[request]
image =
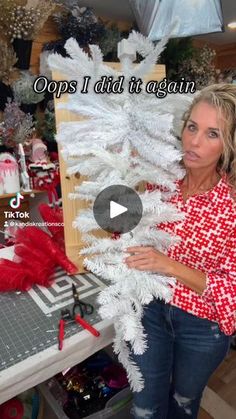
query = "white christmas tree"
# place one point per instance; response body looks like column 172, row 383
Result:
column 126, row 139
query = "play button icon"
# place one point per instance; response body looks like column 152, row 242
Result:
column 118, row 208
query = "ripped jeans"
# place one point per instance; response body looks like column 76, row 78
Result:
column 183, row 351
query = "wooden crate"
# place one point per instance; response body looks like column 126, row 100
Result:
column 204, row 415
column 73, row 240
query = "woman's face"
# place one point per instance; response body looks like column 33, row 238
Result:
column 202, row 137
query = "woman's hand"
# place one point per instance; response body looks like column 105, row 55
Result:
column 150, row 259
column 147, row 259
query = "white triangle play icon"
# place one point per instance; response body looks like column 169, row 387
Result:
column 116, row 209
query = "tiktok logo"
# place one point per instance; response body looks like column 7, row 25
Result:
column 15, row 201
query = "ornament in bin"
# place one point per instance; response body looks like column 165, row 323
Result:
column 9, row 173
column 82, row 396
column 91, row 384
column 115, row 376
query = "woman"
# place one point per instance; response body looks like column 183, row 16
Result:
column 189, row 337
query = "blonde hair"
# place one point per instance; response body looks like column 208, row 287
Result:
column 223, row 98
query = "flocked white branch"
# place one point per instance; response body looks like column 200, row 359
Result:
column 126, row 138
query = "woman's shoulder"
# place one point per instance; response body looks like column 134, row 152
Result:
column 228, row 190
column 222, row 196
column 223, row 204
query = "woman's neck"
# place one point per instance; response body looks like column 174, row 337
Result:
column 196, row 179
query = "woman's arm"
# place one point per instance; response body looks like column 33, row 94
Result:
column 193, row 278
column 150, row 259
column 217, row 286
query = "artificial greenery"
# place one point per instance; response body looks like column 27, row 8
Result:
column 200, row 68
column 183, row 59
column 68, row 4
column 56, row 47
column 7, row 62
column 23, row 89
column 16, row 127
column 17, row 20
column 46, row 126
column 109, row 40
column 79, row 23
column 176, row 51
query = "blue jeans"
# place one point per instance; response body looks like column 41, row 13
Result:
column 183, row 351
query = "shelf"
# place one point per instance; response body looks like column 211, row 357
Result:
column 10, row 195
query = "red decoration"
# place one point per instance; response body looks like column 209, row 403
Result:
column 45, row 179
column 36, row 256
column 42, row 241
column 14, row 276
column 48, row 182
column 115, row 235
column 54, row 219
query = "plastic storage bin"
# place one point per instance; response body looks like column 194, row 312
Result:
column 118, row 407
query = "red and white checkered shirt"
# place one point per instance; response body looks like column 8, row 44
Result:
column 207, row 243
